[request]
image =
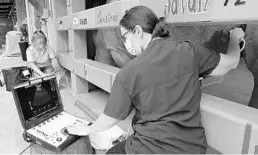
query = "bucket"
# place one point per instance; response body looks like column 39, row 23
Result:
column 23, row 47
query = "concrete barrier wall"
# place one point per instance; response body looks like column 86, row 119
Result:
column 231, row 128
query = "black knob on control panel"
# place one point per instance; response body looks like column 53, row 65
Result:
column 59, row 139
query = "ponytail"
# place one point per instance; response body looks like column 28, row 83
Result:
column 147, row 19
column 161, row 29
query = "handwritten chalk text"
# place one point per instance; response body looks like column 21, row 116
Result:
column 177, row 7
column 107, row 18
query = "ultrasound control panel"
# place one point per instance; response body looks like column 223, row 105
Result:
column 52, row 131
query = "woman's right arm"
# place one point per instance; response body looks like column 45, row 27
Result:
column 36, row 69
column 31, row 60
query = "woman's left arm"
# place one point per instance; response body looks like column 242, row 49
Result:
column 211, row 63
column 53, row 57
column 230, row 60
column 55, row 64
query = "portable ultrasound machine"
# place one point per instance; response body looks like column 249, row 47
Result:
column 42, row 114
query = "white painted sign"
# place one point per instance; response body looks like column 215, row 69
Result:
column 183, row 11
column 234, row 10
column 84, row 19
column 188, row 10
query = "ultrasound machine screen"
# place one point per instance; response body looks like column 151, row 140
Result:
column 38, row 99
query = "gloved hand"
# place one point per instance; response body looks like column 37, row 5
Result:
column 237, row 34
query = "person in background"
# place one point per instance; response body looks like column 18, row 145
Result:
column 24, row 31
column 162, row 85
column 41, row 57
column 110, row 48
column 24, row 37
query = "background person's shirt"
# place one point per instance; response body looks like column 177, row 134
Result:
column 162, row 85
column 41, row 59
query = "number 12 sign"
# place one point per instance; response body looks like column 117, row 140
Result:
column 234, row 10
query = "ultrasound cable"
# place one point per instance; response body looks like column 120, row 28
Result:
column 27, row 148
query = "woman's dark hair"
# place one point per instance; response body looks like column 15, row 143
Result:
column 147, row 19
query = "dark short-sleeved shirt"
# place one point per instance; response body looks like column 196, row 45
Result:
column 162, row 85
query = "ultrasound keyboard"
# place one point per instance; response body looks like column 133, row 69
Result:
column 52, row 132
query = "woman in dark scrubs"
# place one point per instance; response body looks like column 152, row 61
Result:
column 162, row 85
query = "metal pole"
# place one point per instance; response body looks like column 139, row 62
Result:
column 28, row 20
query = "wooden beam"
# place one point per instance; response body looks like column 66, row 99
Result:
column 99, row 74
column 6, row 4
column 176, row 11
column 4, row 10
